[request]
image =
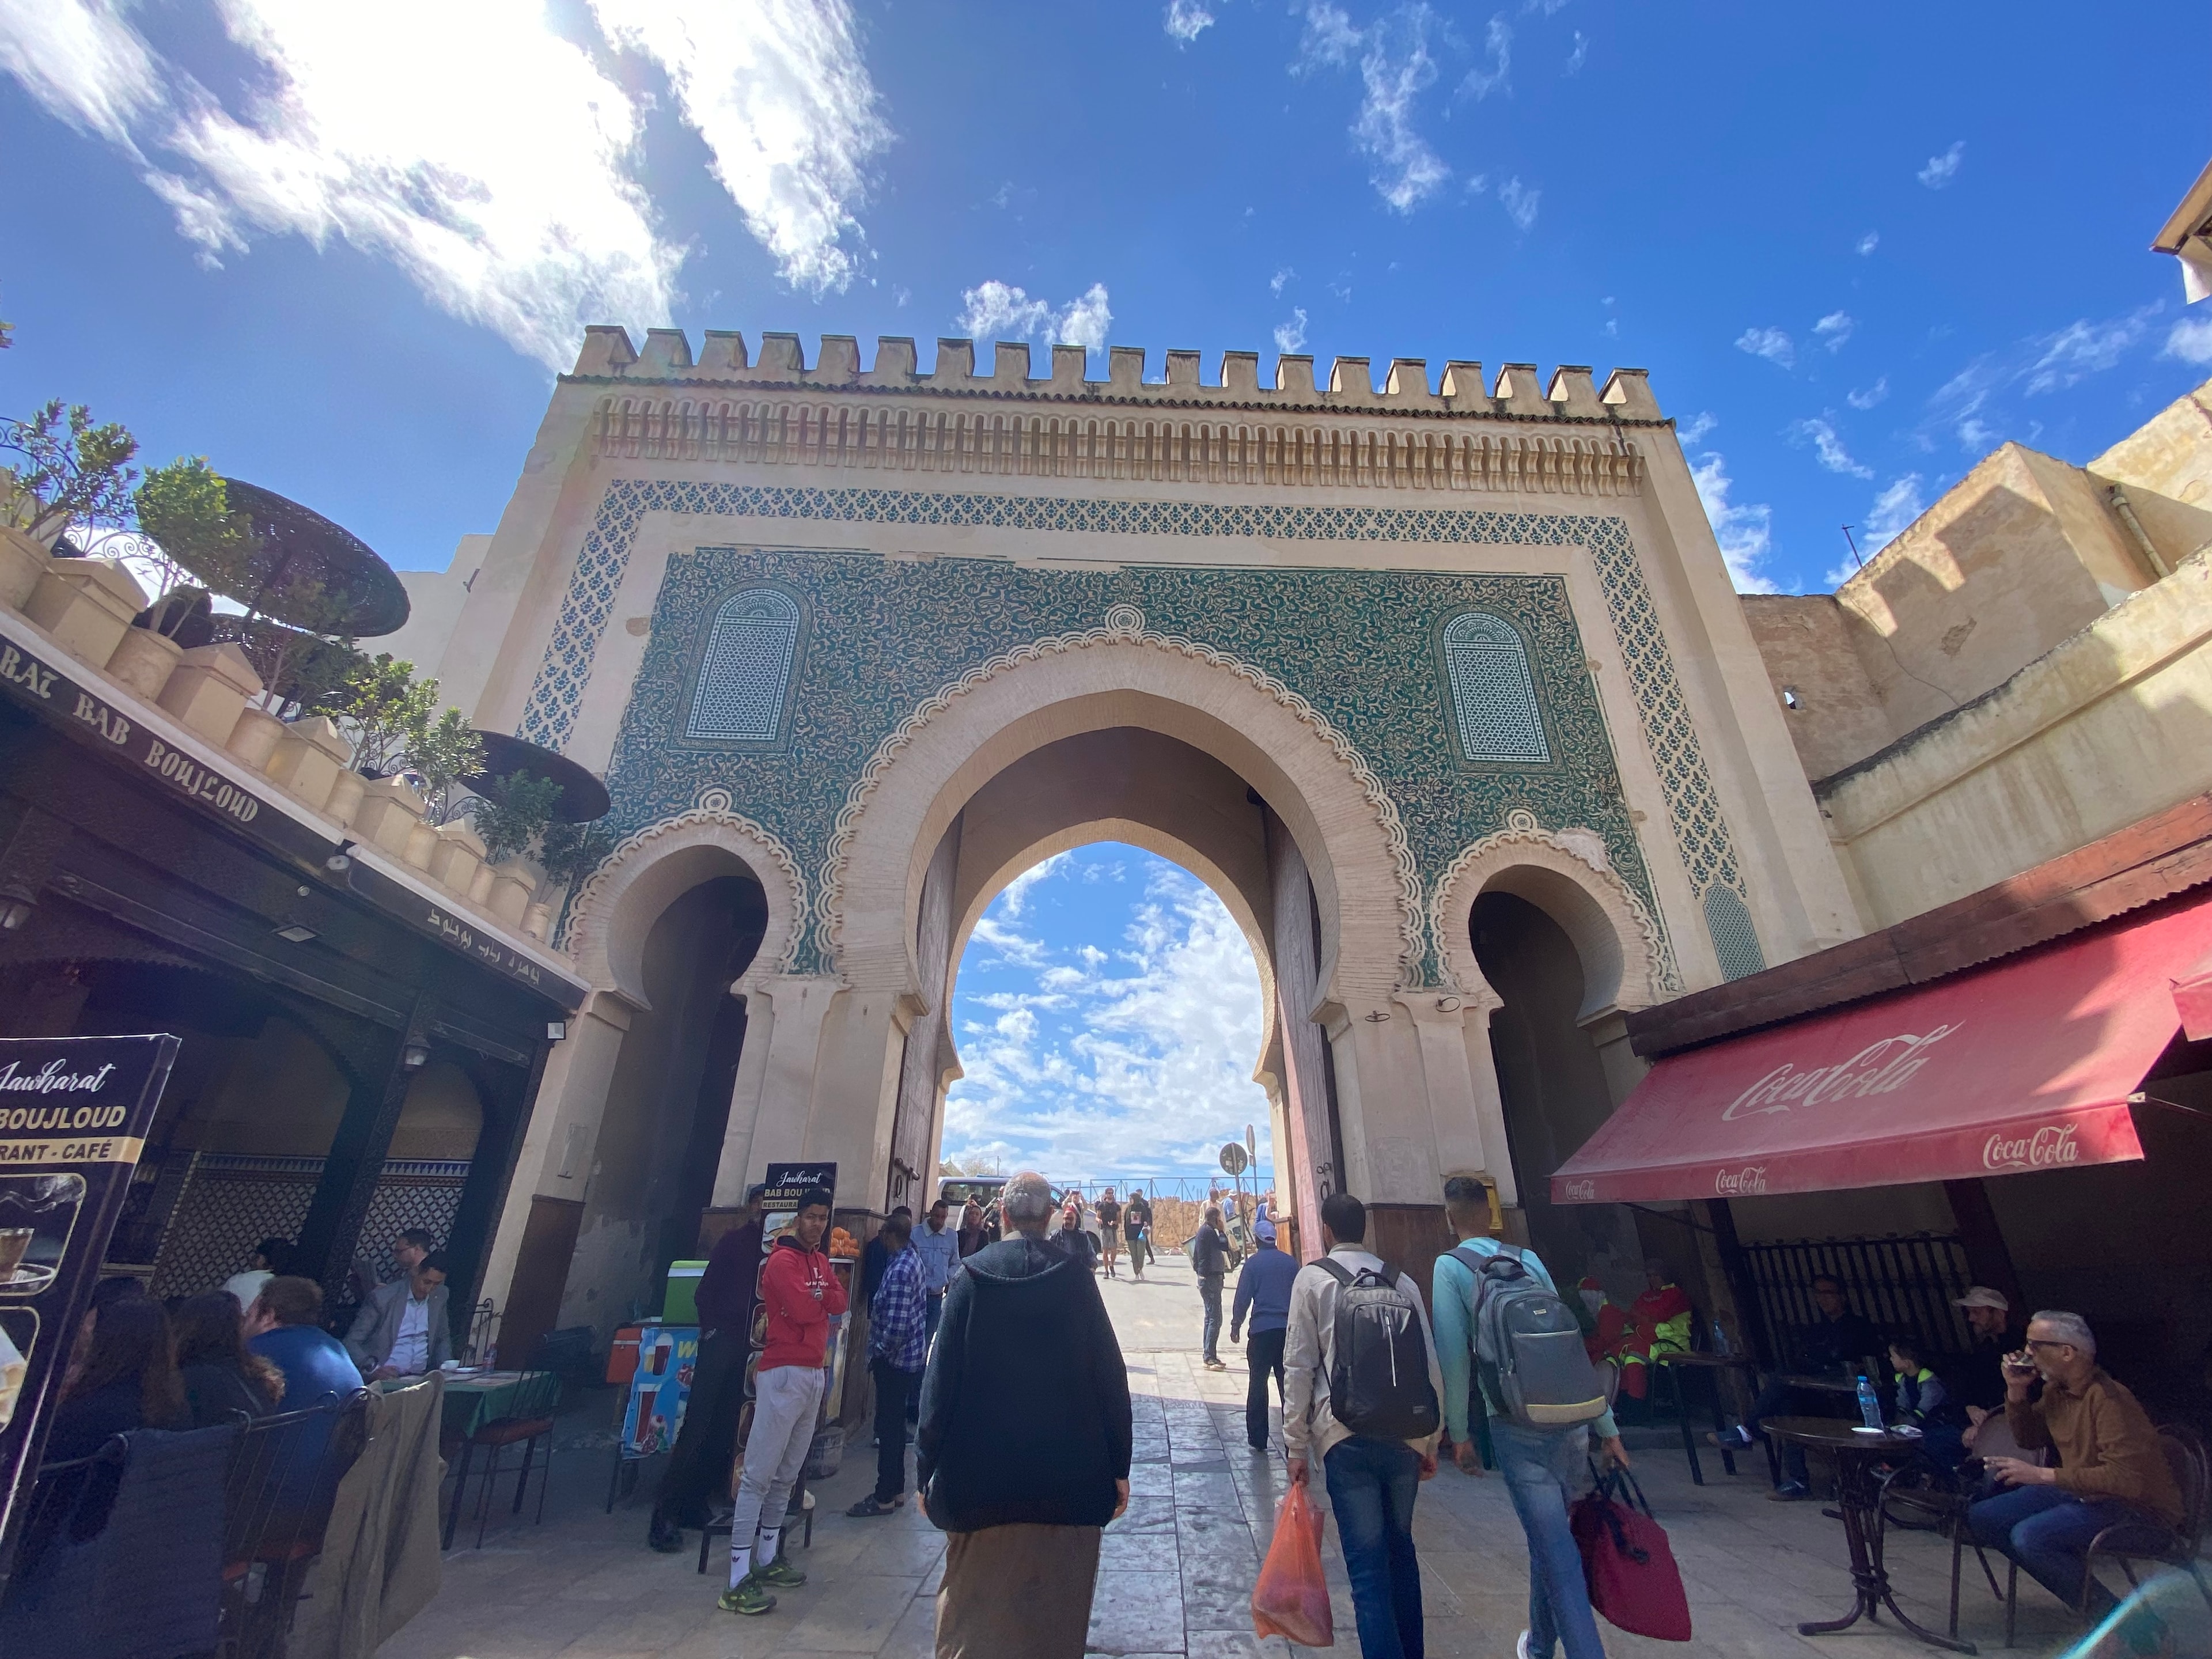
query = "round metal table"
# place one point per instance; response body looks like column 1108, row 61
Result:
column 1857, row 1454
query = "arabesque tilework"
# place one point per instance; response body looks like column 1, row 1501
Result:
column 1357, row 644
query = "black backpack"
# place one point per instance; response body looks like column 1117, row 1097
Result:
column 1378, row 1372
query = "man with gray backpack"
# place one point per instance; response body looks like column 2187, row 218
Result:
column 1503, row 1332
column 1361, row 1394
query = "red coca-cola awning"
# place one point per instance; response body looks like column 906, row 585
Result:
column 2027, row 1064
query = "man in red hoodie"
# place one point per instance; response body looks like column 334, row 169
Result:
column 801, row 1291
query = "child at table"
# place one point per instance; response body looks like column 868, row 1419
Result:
column 1923, row 1403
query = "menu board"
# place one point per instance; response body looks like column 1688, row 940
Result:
column 74, row 1117
column 785, row 1184
column 660, row 1389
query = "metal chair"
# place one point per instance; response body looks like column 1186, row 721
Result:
column 281, row 1485
column 530, row 1420
column 2148, row 1541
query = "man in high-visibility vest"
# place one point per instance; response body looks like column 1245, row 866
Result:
column 1658, row 1323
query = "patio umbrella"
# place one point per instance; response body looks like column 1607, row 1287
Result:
column 583, row 797
column 304, row 570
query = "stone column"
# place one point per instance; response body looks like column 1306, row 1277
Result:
column 773, row 1117
column 563, row 1132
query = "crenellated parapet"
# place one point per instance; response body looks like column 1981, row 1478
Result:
column 1518, row 433
column 1518, row 393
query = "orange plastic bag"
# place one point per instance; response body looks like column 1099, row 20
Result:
column 1291, row 1598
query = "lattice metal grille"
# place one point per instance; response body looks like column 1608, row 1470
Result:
column 231, row 1201
column 1907, row 1282
column 1493, row 694
column 1735, row 942
column 746, row 673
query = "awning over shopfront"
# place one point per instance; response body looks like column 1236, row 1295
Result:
column 2027, row 1064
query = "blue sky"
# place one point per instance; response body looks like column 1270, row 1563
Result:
column 1107, row 1014
column 337, row 248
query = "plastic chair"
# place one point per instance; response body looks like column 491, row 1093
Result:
column 529, row 1421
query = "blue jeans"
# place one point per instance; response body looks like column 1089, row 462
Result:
column 2048, row 1531
column 1371, row 1487
column 1541, row 1467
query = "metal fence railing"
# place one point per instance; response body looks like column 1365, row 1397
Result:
column 1903, row 1282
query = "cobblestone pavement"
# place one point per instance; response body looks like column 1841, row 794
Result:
column 1176, row 1572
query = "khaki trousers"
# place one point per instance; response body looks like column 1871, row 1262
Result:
column 1018, row 1592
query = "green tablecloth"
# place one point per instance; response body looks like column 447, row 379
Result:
column 485, row 1397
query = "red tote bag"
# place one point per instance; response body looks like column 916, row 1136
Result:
column 1630, row 1569
column 1291, row 1598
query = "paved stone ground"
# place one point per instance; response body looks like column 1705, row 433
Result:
column 1177, row 1570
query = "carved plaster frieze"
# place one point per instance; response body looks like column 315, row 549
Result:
column 1124, row 625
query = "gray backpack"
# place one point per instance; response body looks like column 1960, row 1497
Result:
column 1528, row 1353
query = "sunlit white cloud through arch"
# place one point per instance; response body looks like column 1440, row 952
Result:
column 1108, row 1013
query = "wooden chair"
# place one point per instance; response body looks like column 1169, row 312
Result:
column 529, row 1421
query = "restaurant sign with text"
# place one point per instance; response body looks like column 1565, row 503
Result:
column 74, row 1117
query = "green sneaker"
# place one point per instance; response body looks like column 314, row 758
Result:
column 750, row 1597
column 779, row 1573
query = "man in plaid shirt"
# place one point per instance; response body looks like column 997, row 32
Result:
column 899, row 1348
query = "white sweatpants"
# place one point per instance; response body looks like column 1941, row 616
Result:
column 785, row 1401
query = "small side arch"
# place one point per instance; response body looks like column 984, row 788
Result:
column 1563, row 873
column 616, row 908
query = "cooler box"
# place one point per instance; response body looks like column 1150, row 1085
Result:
column 622, row 1354
column 680, row 1305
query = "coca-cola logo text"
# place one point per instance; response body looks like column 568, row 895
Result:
column 2050, row 1147
column 1740, row 1183
column 1578, row 1191
column 1879, row 1068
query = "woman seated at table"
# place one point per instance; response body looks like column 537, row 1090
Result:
column 221, row 1375
column 122, row 1376
column 1923, row 1403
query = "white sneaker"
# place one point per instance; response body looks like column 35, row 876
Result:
column 1521, row 1647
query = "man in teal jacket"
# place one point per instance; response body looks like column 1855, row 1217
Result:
column 1543, row 1467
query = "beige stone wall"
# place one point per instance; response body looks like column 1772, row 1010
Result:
column 2114, row 725
column 1812, row 660
column 2164, row 470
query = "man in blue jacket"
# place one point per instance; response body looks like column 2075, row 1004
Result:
column 1263, row 1294
column 1542, row 1465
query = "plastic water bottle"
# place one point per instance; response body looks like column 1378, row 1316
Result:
column 1720, row 1339
column 1869, row 1405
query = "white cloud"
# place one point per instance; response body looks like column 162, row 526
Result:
column 1015, row 895
column 1941, row 169
column 777, row 91
column 1086, row 322
column 1821, row 434
column 2191, row 339
column 1329, row 37
column 1011, row 944
column 1275, row 282
column 1745, row 532
column 1580, row 55
column 1395, row 70
column 1130, row 1063
column 1867, row 243
column 1835, row 328
column 1292, row 336
column 1187, row 20
column 1898, row 506
column 1519, row 202
column 1868, row 398
column 2083, row 347
column 1547, row 7
column 1699, row 424
column 993, row 310
column 493, row 161
column 1770, row 343
column 1492, row 74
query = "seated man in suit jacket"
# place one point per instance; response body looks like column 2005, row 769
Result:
column 402, row 1329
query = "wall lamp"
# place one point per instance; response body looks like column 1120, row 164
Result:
column 415, row 1056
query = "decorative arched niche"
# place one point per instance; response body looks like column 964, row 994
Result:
column 615, row 910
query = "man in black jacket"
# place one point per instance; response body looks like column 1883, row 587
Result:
column 1023, row 1453
column 1209, row 1260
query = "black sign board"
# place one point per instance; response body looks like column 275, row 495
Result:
column 74, row 1115
column 785, row 1181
